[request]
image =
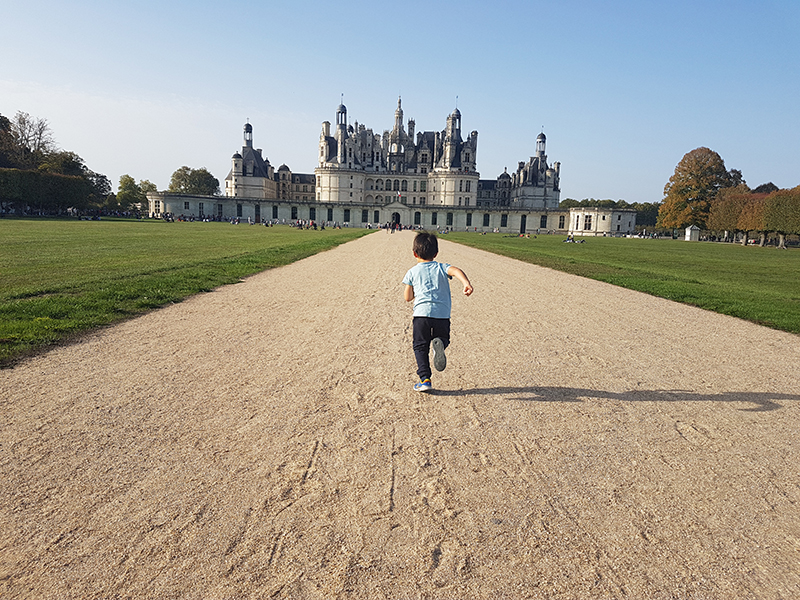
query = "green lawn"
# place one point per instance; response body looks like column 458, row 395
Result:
column 62, row 277
column 757, row 284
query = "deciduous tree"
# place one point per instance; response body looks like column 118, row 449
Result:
column 782, row 213
column 690, row 190
column 193, row 181
column 752, row 217
column 129, row 192
column 726, row 208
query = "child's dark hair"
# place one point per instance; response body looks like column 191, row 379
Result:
column 426, row 245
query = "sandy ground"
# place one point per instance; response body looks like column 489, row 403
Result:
column 263, row 441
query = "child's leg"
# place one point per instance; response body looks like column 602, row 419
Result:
column 422, row 346
column 441, row 330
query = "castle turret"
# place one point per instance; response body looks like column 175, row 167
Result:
column 248, row 135
column 540, row 142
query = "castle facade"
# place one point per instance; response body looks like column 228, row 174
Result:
column 424, row 179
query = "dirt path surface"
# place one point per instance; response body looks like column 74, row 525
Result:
column 263, row 441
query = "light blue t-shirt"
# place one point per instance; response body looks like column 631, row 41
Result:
column 431, row 289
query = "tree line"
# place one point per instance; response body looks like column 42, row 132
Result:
column 704, row 193
column 36, row 177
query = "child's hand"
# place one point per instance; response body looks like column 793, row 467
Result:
column 467, row 289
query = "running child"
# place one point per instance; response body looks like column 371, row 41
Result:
column 428, row 285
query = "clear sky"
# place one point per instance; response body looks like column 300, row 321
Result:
column 623, row 89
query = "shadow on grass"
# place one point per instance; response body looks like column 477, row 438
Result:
column 762, row 401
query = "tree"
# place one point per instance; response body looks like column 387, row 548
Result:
column 99, row 186
column 698, row 177
column 32, row 141
column 766, row 188
column 193, row 181
column 129, row 192
column 64, row 163
column 726, row 208
column 646, row 213
column 568, row 203
column 7, row 143
column 782, row 213
column 752, row 217
column 147, row 186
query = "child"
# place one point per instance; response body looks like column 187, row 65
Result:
column 427, row 284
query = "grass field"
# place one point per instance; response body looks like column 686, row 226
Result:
column 59, row 278
column 757, row 284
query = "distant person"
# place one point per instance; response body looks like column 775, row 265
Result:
column 427, row 284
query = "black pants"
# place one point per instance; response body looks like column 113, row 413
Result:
column 425, row 330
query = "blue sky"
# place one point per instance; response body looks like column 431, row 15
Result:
column 623, row 89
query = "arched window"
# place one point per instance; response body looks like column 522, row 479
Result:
column 379, row 185
column 396, row 185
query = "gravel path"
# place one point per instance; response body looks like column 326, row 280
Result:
column 263, row 440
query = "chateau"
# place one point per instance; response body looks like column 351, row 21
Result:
column 425, row 179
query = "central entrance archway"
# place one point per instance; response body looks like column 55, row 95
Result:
column 395, row 219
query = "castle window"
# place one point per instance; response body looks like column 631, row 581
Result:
column 587, row 222
column 460, row 185
column 486, row 220
column 238, row 210
column 469, row 219
column 422, row 199
column 503, row 220
column 347, row 215
column 200, row 209
column 469, row 185
column 561, row 221
column 274, row 212
column 466, row 202
column 219, row 210
column 396, row 185
column 185, row 206
column 404, row 186
column 330, row 214
column 423, row 186
column 377, row 216
column 364, row 215
column 415, row 186
column 294, row 213
column 417, row 218
column 449, row 219
column 543, row 222
column 434, row 218
column 312, row 213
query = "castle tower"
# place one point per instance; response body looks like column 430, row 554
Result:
column 341, row 133
column 248, row 135
column 540, row 142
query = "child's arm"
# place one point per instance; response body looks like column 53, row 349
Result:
column 408, row 293
column 462, row 277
